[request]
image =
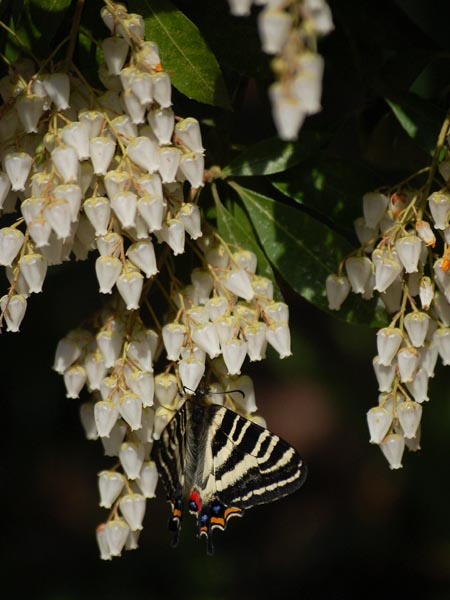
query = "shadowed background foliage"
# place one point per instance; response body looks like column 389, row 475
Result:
column 356, row 528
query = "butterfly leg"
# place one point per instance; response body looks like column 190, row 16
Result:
column 175, row 520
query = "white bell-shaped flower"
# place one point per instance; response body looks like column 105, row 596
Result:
column 130, row 409
column 5, row 187
column 107, row 269
column 203, row 283
column 426, row 292
column 141, row 85
column 206, row 338
column 239, row 282
column 384, row 374
column 246, row 260
column 132, row 507
column 93, row 120
column 366, row 235
column 174, row 234
column 98, row 211
column 144, row 153
column 88, row 421
column 30, row 108
column 358, row 270
column 71, row 193
column 169, row 161
column 59, row 216
column 191, row 373
column 428, row 358
column 279, row 337
column 189, row 134
column 140, row 353
column 374, row 207
column 95, row 370
column 115, row 51
column 76, row 135
column 189, row 215
column 142, row 384
column 110, row 484
column 442, row 340
column 116, row 181
column 124, row 205
column 131, row 456
column 392, row 447
column 242, row 391
column 439, row 205
column 337, row 289
column 256, row 336
column 416, row 324
column 273, row 27
column 101, row 150
column 408, row 362
column 109, row 244
column 152, row 210
column 11, row 241
column 102, row 542
column 74, row 380
column 150, row 184
column 217, row 307
column 109, row 389
column 13, row 309
column 148, row 479
column 307, row 84
column 105, row 414
column 166, row 389
column 162, row 89
column 57, row 88
column 130, row 285
column 17, row 166
column 14, row 274
column 149, row 55
column 408, row 249
column 419, row 385
column 116, row 534
column 162, row 122
column 226, row 328
column 192, row 166
column 67, row 352
column 40, row 230
column 65, row 160
column 123, row 127
column 389, row 340
column 162, row 417
column 142, row 254
column 425, row 233
column 379, row 420
column 173, row 335
column 34, row 268
column 145, row 434
column 442, row 308
column 277, row 311
column 386, row 272
column 287, row 112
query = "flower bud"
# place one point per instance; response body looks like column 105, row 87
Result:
column 425, row 233
column 426, row 292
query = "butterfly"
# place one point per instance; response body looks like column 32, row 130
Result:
column 221, row 464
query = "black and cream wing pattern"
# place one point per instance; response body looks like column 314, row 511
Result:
column 221, row 464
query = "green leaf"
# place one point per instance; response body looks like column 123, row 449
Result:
column 192, row 66
column 274, row 156
column 305, row 251
column 330, row 186
column 421, row 119
column 235, row 228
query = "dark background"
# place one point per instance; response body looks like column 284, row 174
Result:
column 356, row 529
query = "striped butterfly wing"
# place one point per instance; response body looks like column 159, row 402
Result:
column 169, row 454
column 248, row 466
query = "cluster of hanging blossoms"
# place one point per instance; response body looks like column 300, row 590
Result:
column 288, row 30
column 116, row 173
column 404, row 258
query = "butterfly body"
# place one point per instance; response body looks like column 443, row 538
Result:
column 221, row 464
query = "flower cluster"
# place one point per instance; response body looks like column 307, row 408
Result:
column 288, row 30
column 95, row 170
column 113, row 172
column 404, row 258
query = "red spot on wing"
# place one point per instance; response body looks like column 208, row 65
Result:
column 195, row 497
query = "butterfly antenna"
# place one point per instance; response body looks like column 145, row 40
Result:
column 232, row 392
